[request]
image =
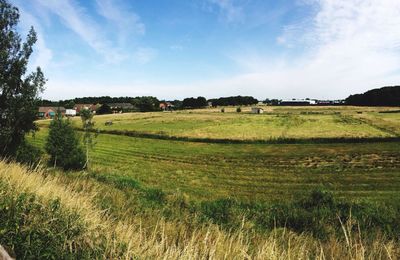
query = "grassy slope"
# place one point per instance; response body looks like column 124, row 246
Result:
column 45, row 216
column 255, row 172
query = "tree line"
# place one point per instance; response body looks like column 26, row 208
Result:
column 386, row 96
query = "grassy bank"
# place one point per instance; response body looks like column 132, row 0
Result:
column 51, row 215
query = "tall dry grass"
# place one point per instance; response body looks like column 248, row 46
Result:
column 131, row 238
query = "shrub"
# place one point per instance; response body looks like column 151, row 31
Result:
column 63, row 145
column 239, row 109
column 28, row 154
column 222, row 110
column 36, row 230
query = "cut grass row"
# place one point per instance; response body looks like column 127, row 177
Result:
column 249, row 171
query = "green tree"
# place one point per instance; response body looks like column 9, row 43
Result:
column 19, row 89
column 88, row 129
column 104, row 109
column 63, row 145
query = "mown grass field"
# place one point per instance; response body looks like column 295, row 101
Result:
column 178, row 199
column 253, row 171
column 277, row 122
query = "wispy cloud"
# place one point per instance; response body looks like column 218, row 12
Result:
column 77, row 19
column 43, row 54
column 350, row 46
column 125, row 19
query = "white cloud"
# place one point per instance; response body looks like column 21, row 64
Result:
column 126, row 20
column 96, row 36
column 350, row 46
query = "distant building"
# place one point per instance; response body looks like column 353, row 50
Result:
column 119, row 107
column 91, row 107
column 70, row 112
column 295, row 102
column 50, row 112
column 257, row 110
column 166, row 106
column 330, row 102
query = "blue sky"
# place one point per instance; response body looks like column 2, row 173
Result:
column 179, row 48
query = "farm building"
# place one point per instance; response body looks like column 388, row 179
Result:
column 50, row 112
column 294, row 103
column 257, row 110
column 119, row 107
column 70, row 112
column 91, row 107
column 166, row 106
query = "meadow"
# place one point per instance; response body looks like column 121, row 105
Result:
column 333, row 199
column 275, row 123
column 253, row 171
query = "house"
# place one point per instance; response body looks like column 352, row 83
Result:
column 50, row 112
column 257, row 110
column 91, row 107
column 166, row 106
column 119, row 107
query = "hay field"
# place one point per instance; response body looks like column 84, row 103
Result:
column 276, row 123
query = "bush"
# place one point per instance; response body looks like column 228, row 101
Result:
column 28, row 154
column 239, row 109
column 104, row 109
column 222, row 110
column 63, row 146
column 32, row 229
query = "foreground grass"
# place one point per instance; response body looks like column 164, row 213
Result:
column 58, row 216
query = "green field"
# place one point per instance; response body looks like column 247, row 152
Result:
column 276, row 123
column 265, row 172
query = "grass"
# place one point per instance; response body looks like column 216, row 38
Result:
column 157, row 198
column 278, row 122
column 249, row 171
column 60, row 216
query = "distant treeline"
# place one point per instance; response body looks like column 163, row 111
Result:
column 386, row 96
column 234, row 101
column 145, row 103
column 148, row 103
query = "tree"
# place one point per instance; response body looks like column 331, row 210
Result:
column 18, row 90
column 194, row 102
column 88, row 137
column 386, row 96
column 63, row 145
column 146, row 104
column 104, row 109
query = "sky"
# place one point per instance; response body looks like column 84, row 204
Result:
column 172, row 49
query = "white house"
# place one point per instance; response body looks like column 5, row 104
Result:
column 70, row 112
